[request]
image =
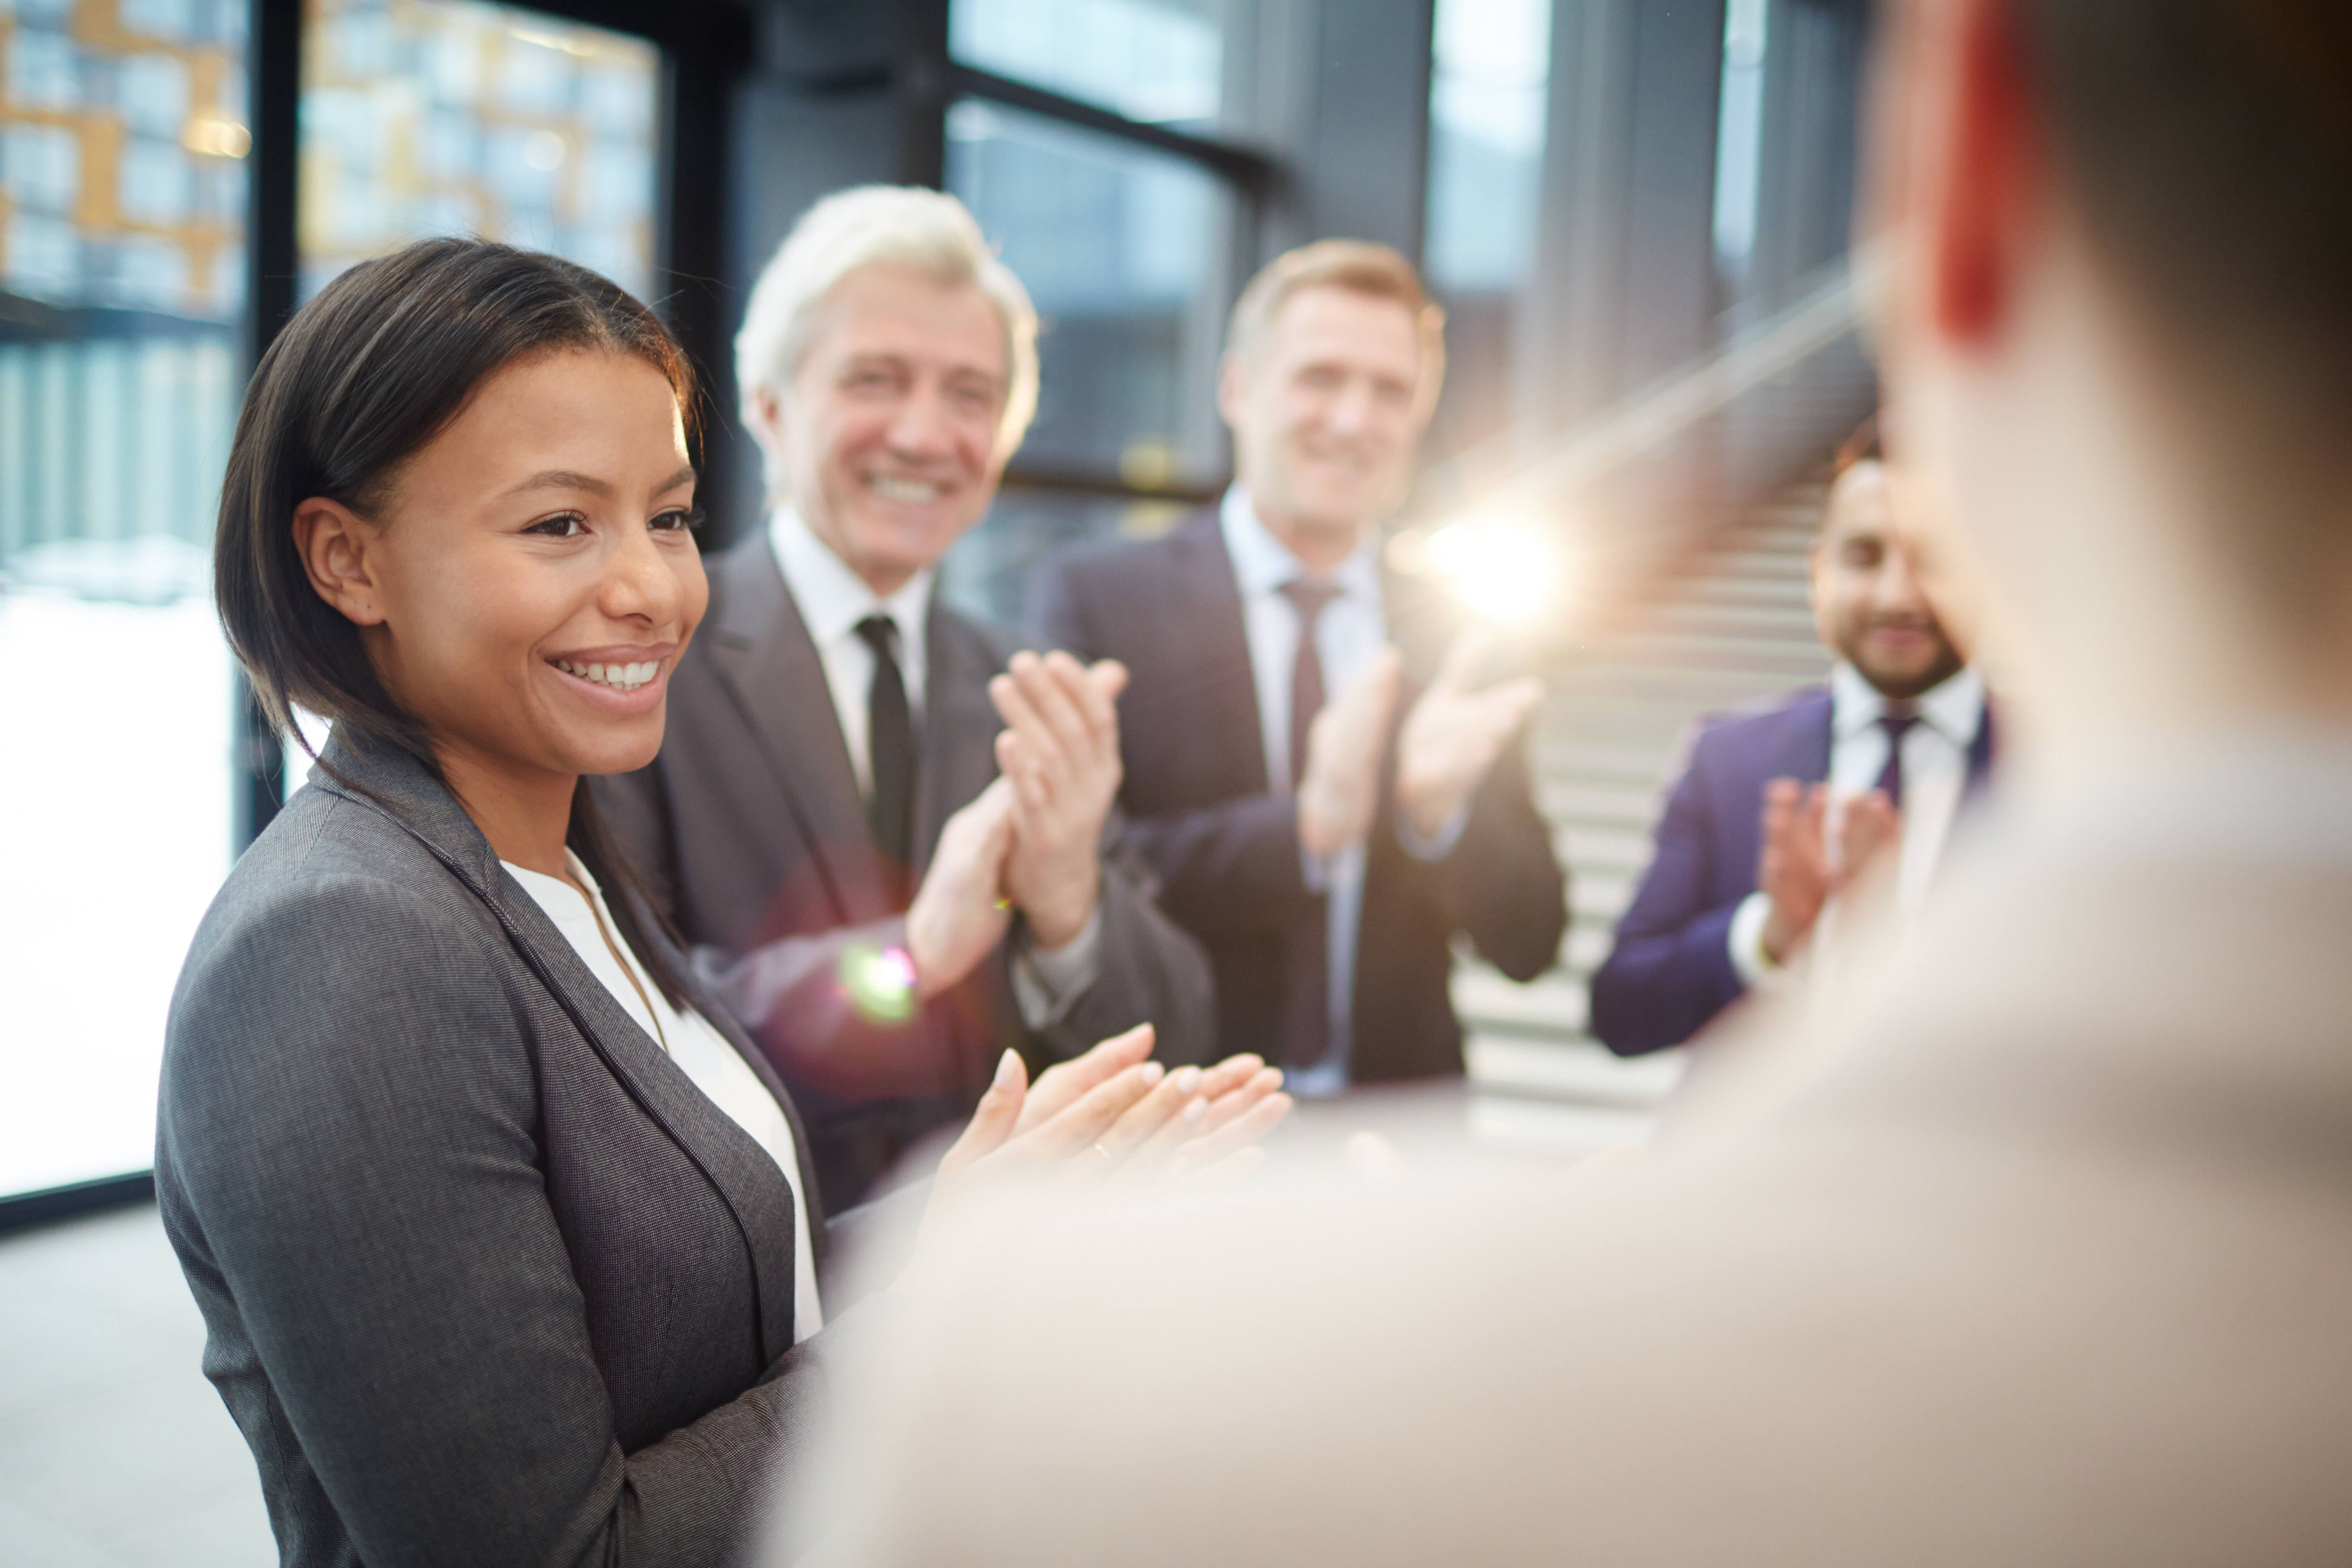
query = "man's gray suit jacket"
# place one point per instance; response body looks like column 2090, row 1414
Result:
column 485, row 1277
column 751, row 833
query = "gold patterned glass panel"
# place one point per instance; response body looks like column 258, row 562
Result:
column 122, row 198
column 433, row 117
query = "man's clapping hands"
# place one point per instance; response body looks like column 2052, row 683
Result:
column 1798, row 871
column 1451, row 738
column 1032, row 840
column 1059, row 751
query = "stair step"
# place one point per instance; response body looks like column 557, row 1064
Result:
column 1731, row 629
column 1579, row 1072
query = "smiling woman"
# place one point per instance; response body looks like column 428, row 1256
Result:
column 555, row 363
column 504, row 1235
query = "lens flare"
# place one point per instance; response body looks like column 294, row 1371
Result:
column 1503, row 570
column 879, row 982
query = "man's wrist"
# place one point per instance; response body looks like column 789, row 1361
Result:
column 1059, row 917
column 1427, row 814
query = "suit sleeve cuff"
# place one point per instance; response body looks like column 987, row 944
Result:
column 1047, row 981
column 1748, row 960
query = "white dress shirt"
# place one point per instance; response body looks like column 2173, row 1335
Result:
column 1349, row 633
column 831, row 600
column 1935, row 774
column 716, row 1068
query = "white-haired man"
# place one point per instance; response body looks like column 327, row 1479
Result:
column 881, row 832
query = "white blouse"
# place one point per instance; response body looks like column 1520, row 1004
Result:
column 713, row 1065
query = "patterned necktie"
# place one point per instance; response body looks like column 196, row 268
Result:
column 1307, row 988
column 1890, row 777
column 1307, row 693
column 890, row 756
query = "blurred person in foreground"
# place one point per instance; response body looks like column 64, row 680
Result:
column 881, row 830
column 2051, row 1263
column 1748, row 849
column 1322, row 823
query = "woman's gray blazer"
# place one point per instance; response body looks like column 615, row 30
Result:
column 486, row 1278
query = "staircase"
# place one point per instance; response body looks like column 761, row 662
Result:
column 1729, row 628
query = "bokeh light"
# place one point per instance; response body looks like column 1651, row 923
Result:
column 879, row 982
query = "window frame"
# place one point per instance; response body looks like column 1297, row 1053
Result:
column 703, row 45
column 932, row 80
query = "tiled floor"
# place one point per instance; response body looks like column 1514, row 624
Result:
column 114, row 1451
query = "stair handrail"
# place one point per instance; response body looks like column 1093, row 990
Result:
column 1675, row 403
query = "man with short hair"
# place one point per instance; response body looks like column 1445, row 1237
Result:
column 880, row 833
column 1323, row 824
column 1742, row 869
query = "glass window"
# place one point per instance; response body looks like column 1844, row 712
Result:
column 1740, row 141
column 121, row 290
column 987, row 574
column 1161, row 62
column 432, row 117
column 1124, row 250
column 425, row 117
column 1489, row 81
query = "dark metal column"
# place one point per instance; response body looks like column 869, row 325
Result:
column 1356, row 152
column 1624, row 247
column 275, row 73
column 1813, row 55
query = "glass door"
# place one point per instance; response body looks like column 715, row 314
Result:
column 122, row 201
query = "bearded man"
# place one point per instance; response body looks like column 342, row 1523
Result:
column 1741, row 874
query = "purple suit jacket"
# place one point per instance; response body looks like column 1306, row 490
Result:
column 1671, row 971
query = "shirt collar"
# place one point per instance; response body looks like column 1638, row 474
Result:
column 1954, row 707
column 1263, row 563
column 832, row 598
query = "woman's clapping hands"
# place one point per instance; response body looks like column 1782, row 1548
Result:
column 1110, row 1118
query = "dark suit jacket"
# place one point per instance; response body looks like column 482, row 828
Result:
column 1670, row 972
column 751, row 832
column 1226, row 851
column 485, row 1277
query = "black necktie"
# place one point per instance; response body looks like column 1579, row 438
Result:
column 890, row 755
column 1307, row 1000
column 1890, row 777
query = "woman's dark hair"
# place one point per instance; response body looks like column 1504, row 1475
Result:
column 360, row 381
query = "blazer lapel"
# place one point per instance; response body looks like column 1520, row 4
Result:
column 1227, row 687
column 745, row 1178
column 960, row 724
column 763, row 657
column 1805, row 742
column 715, row 1013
